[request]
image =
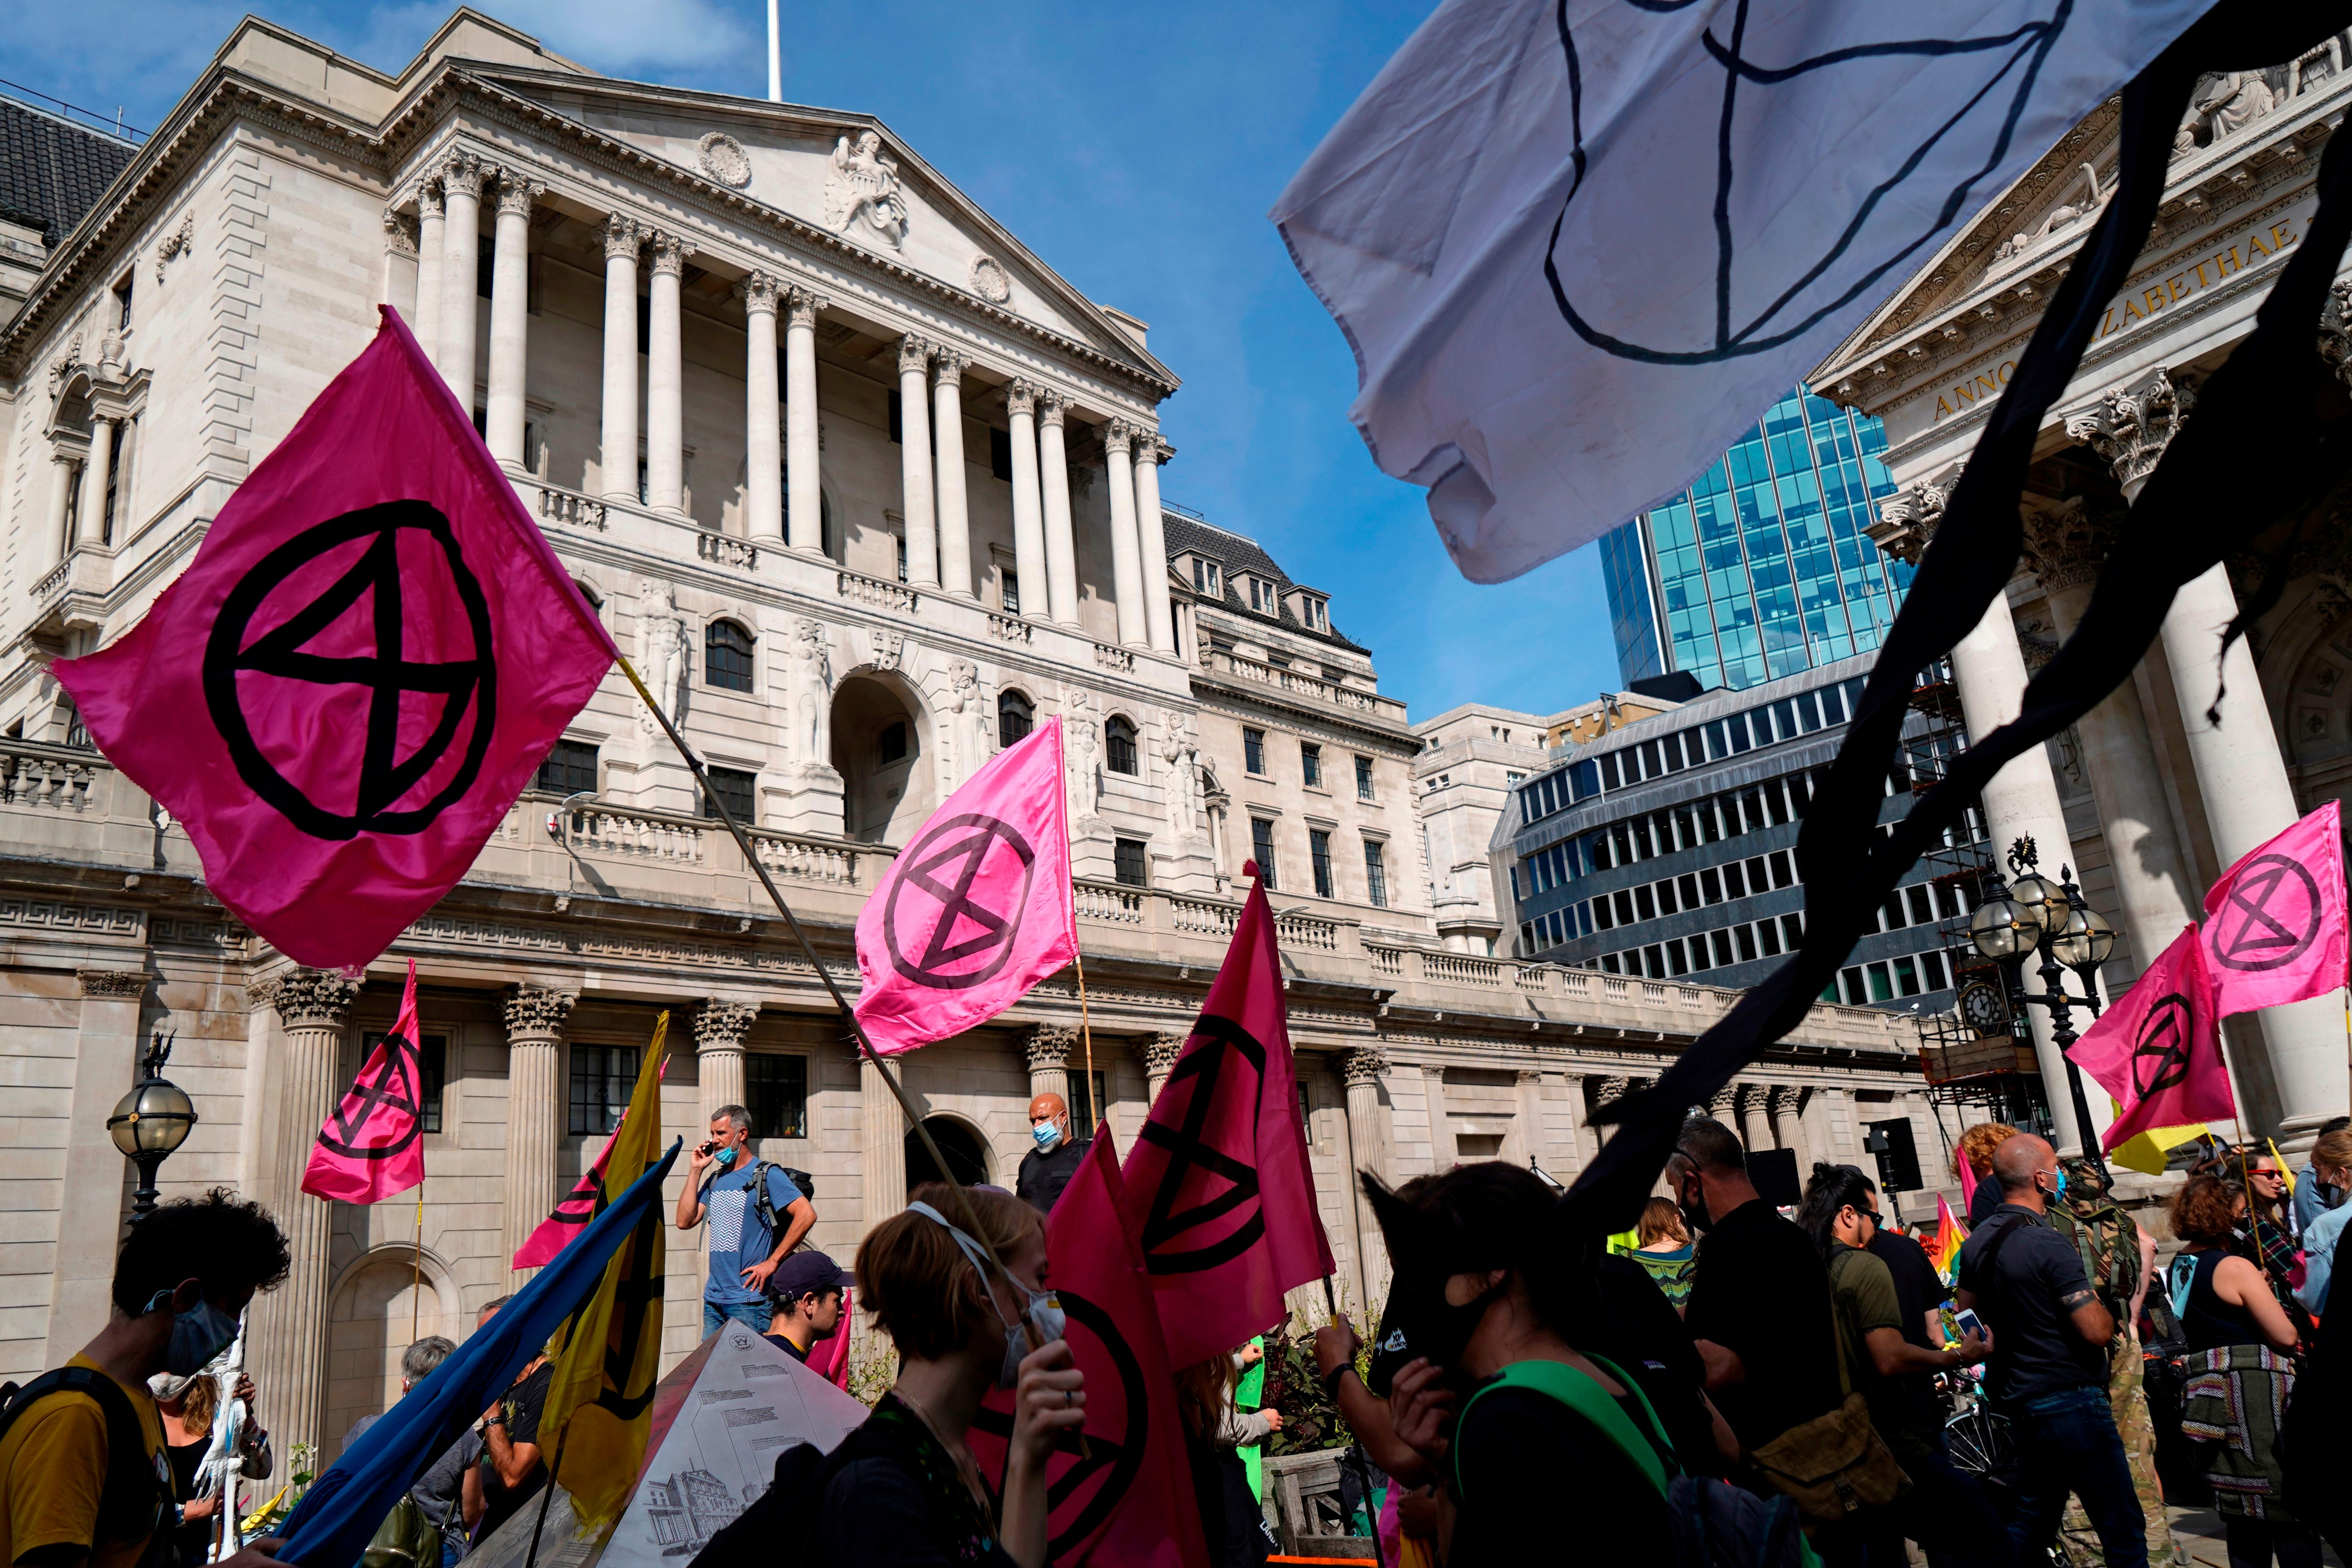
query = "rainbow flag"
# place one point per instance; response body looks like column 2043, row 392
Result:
column 1945, row 1252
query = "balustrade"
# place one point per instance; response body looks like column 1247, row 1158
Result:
column 46, row 778
column 570, row 507
column 861, row 589
column 1108, row 901
column 1008, row 628
column 726, row 550
column 1114, row 658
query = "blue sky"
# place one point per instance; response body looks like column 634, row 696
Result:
column 1137, row 152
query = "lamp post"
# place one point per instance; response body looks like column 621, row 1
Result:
column 2041, row 917
column 151, row 1121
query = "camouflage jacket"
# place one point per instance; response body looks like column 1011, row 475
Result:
column 2108, row 1241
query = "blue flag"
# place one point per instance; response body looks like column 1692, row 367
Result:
column 343, row 1508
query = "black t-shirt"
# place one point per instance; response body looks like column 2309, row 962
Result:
column 1533, row 1474
column 790, row 1348
column 522, row 1404
column 2028, row 1300
column 1044, row 1175
column 1983, row 1201
column 1917, row 1292
column 1645, row 1337
column 1760, row 1291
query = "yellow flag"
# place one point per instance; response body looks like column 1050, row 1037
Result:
column 599, row 1407
column 2147, row 1151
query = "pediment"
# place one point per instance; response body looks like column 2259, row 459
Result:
column 845, row 174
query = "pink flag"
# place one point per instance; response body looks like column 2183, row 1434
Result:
column 1219, row 1194
column 977, row 909
column 2158, row 1048
column 2275, row 923
column 369, row 657
column 1125, row 1499
column 584, row 1202
column 372, row 1144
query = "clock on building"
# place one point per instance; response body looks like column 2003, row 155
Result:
column 1983, row 1008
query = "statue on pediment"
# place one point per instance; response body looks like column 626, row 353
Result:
column 661, row 646
column 2237, row 100
column 864, row 188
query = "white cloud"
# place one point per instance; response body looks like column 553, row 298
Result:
column 618, row 36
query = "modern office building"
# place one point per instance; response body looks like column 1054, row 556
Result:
column 1667, row 849
column 1761, row 570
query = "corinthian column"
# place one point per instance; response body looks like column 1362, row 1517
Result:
column 1126, row 567
column 763, row 463
column 1756, row 1120
column 617, row 459
column 664, row 382
column 1049, row 1048
column 719, row 1030
column 883, row 1141
column 461, row 237
column 915, row 462
column 1159, row 1054
column 955, row 515
column 1151, row 540
column 509, row 317
column 289, row 1323
column 1054, row 484
column 535, row 1019
column 105, row 1066
column 2241, row 772
column 1788, row 1126
column 399, row 289
column 807, row 497
column 91, row 524
column 432, row 235
column 1361, row 1069
column 1028, row 504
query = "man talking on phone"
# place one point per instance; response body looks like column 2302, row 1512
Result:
column 757, row 1216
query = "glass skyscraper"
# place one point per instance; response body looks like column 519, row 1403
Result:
column 1761, row 570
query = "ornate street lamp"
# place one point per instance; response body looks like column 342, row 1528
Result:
column 151, row 1121
column 2040, row 916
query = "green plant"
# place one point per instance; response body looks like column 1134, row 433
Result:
column 1311, row 1422
column 872, row 1368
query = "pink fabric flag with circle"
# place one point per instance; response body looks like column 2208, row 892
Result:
column 977, row 908
column 2275, row 923
column 371, row 655
column 372, row 1144
column 588, row 1198
column 2158, row 1048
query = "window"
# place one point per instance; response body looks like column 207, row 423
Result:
column 1262, row 848
column 734, row 786
column 1254, row 750
column 1127, row 862
column 1000, row 453
column 432, row 1069
column 603, row 1079
column 897, row 421
column 775, row 1089
column 902, row 558
column 1310, row 763
column 1014, row 717
column 1208, row 578
column 726, row 657
column 116, row 480
column 1119, row 745
column 1376, row 874
column 890, row 745
column 1318, row 850
column 1008, row 591
column 1085, row 1092
column 570, row 769
column 122, row 298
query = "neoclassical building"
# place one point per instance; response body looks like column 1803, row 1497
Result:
column 2146, row 797
column 867, row 490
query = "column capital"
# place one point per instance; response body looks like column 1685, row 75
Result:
column 1362, row 1064
column 1907, row 520
column 1161, row 1051
column 428, row 198
column 1783, row 1097
column 1612, row 1089
column 1051, row 405
column 623, row 236
column 537, row 1014
column 669, row 253
column 1050, row 1045
column 1020, row 397
column 112, row 984
column 1119, row 435
column 516, row 192
column 914, row 355
column 2066, row 543
column 2132, row 423
column 952, row 365
column 719, row 1024
column 399, row 233
column 1148, row 446
column 801, row 305
column 463, row 174
column 1722, row 1100
column 758, row 293
column 308, row 998
column 1530, row 1075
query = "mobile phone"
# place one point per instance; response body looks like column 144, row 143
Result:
column 706, row 1146
column 1967, row 1321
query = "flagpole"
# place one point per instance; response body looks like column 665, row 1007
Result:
column 1356, row 1447
column 416, row 1279
column 1087, row 1035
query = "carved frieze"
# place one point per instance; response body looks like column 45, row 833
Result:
column 722, row 158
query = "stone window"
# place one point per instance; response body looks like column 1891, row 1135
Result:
column 1262, row 848
column 570, row 769
column 775, row 1089
column 726, row 657
column 1310, row 764
column 603, row 1079
column 1254, row 750
column 1119, row 745
column 1128, row 862
column 1014, row 717
column 1363, row 778
column 1376, row 874
column 1085, row 1094
column 1318, row 850
column 432, row 1069
column 890, row 745
column 735, row 787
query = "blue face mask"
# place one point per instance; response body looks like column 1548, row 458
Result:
column 2062, row 1183
column 1047, row 1135
column 198, row 1334
column 724, row 1157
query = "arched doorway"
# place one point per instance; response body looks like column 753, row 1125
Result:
column 959, row 1145
column 372, row 1314
column 878, row 748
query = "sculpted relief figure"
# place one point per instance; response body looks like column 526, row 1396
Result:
column 1079, row 741
column 661, row 643
column 809, row 707
column 2237, row 100
column 1182, row 790
column 864, row 188
column 968, row 737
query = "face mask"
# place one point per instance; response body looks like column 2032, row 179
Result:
column 1047, row 1135
column 198, row 1334
column 724, row 1158
column 1695, row 1213
column 2061, row 1184
column 1449, row 1329
column 1043, row 1309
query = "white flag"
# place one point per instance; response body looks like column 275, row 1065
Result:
column 1578, row 246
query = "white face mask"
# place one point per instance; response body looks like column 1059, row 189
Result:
column 1043, row 1309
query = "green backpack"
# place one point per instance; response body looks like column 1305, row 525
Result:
column 405, row 1538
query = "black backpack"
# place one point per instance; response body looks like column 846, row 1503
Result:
column 135, row 1500
column 766, row 1204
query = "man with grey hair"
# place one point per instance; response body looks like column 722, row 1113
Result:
column 416, row 1362
column 757, row 1216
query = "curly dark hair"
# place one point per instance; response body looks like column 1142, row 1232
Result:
column 2206, row 1209
column 230, row 1244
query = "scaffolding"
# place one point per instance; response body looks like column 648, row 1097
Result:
column 1977, row 1056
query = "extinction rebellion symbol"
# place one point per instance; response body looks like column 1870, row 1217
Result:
column 967, row 941
column 2271, row 918
column 2161, row 1052
column 466, row 686
column 1111, row 1462
column 1217, row 1044
column 395, row 1087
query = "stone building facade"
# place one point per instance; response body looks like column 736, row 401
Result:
column 2146, row 797
column 865, row 487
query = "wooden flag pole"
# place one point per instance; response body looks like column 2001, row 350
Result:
column 1356, row 1447
column 416, row 1279
column 1087, row 1037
